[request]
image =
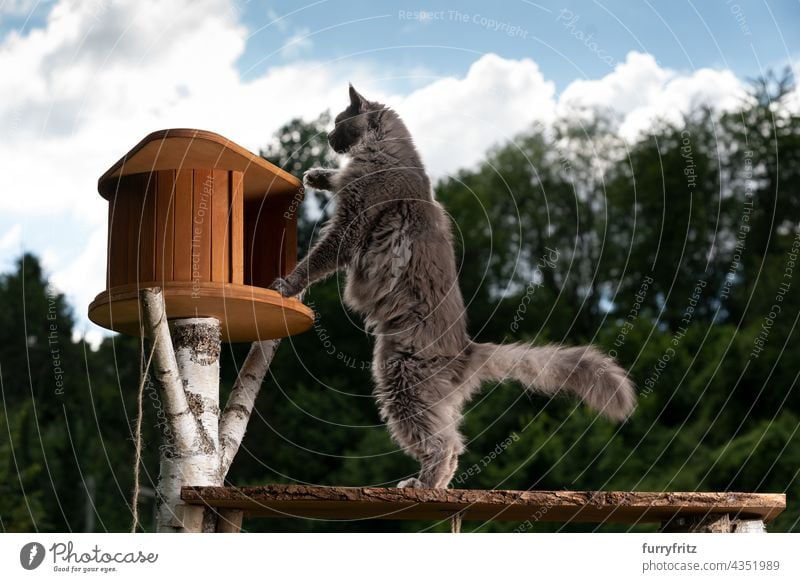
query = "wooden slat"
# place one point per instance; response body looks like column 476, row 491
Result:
column 220, row 240
column 201, row 225
column 237, row 228
column 147, row 232
column 134, row 191
column 118, row 239
column 182, row 265
column 436, row 504
column 265, row 232
column 165, row 225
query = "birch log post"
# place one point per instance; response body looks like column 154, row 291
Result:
column 199, row 445
column 197, row 348
column 233, row 423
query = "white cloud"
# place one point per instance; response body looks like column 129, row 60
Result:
column 640, row 91
column 79, row 92
column 454, row 121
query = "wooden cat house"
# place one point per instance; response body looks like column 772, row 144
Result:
column 211, row 224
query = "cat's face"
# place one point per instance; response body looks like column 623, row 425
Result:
column 351, row 124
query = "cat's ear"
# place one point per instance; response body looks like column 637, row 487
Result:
column 356, row 100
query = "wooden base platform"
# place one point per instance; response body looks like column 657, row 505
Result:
column 246, row 313
column 349, row 503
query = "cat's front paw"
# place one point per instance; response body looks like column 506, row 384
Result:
column 317, row 178
column 283, row 287
column 413, row 482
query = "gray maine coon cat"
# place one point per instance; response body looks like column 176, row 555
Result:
column 394, row 242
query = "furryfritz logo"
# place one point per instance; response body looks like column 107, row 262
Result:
column 31, row 555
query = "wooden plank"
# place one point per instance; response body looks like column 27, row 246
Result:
column 165, row 225
column 118, row 240
column 134, row 191
column 237, row 228
column 220, row 240
column 265, row 231
column 229, row 521
column 182, row 265
column 147, row 232
column 436, row 504
column 201, row 225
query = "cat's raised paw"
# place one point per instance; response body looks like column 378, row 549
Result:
column 413, row 482
column 316, row 178
column 282, row 286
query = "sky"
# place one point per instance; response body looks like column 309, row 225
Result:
column 83, row 81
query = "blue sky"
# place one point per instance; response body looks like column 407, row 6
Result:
column 746, row 37
column 84, row 80
column 742, row 36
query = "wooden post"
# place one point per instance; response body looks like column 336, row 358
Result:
column 186, row 365
column 197, row 349
column 713, row 523
column 196, row 344
column 229, row 521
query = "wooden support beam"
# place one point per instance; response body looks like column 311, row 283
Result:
column 442, row 504
column 229, row 521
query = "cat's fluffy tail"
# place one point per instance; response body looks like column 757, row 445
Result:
column 582, row 371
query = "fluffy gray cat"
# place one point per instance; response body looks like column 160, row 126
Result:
column 394, row 242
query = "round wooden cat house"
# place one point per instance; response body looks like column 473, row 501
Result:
column 208, row 222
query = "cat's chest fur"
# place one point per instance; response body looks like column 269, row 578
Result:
column 376, row 273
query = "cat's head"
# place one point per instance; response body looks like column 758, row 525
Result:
column 353, row 123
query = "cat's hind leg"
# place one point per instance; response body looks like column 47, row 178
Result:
column 417, row 402
column 434, row 442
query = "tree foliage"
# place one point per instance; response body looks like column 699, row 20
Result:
column 676, row 253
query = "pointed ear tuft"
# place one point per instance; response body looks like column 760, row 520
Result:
column 356, row 100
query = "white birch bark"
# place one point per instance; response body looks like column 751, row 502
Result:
column 197, row 349
column 199, row 443
column 166, row 370
column 233, row 423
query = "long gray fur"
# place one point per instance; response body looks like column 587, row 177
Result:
column 394, row 241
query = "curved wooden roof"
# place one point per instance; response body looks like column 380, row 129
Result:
column 174, row 149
